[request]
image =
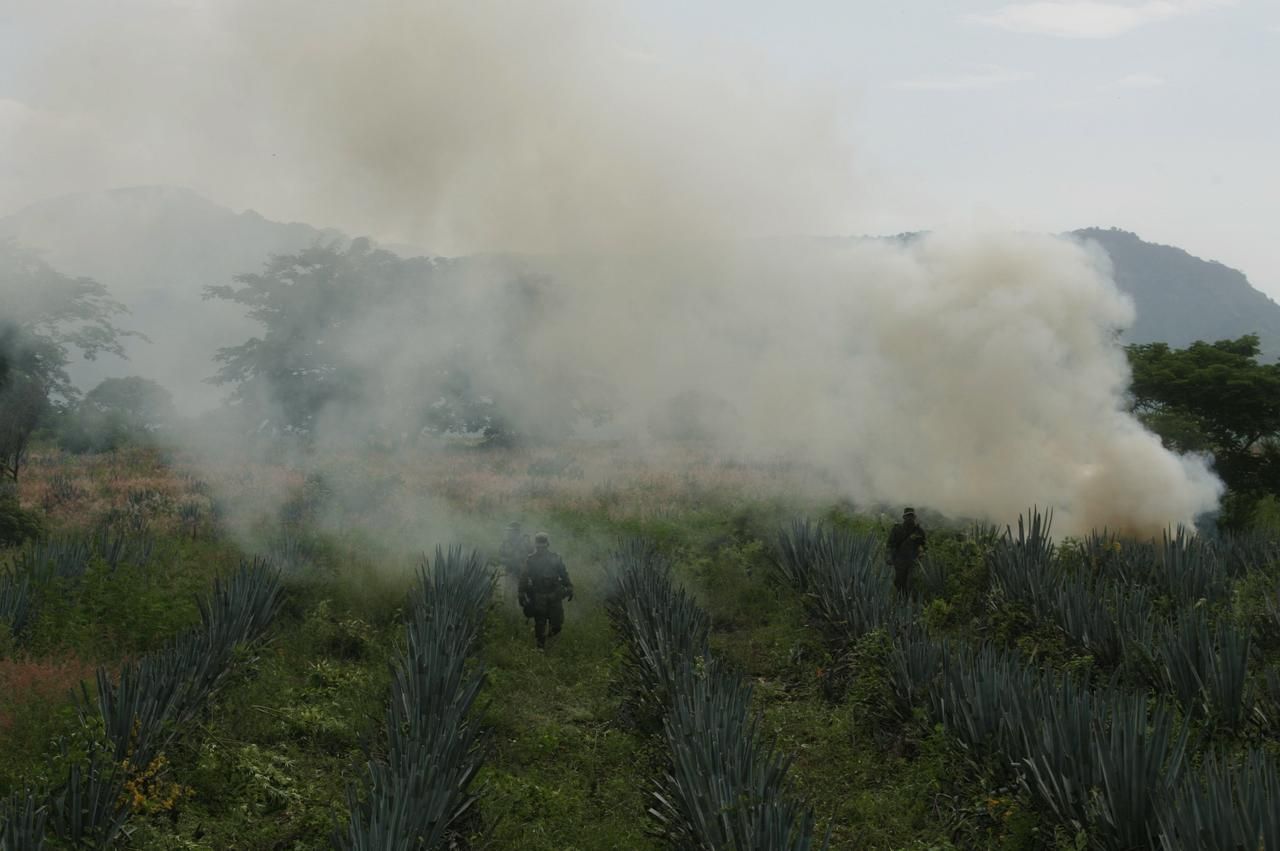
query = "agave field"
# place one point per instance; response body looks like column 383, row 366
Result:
column 263, row 657
column 1165, row 736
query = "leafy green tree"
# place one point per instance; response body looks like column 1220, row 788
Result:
column 118, row 412
column 305, row 301
column 382, row 349
column 46, row 315
column 1215, row 398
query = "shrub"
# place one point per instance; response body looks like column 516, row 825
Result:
column 17, row 525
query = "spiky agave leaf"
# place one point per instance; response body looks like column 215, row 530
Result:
column 1243, row 552
column 933, row 575
column 17, row 604
column 1087, row 621
column 661, row 624
column 980, row 694
column 435, row 743
column 22, row 821
column 457, row 581
column 88, row 810
column 1206, row 667
column 1188, row 569
column 66, row 558
column 1057, row 735
column 153, row 696
column 118, row 547
column 1229, row 806
column 853, row 595
column 242, row 606
column 433, row 756
column 806, row 545
column 727, row 788
column 916, row 666
column 1140, row 754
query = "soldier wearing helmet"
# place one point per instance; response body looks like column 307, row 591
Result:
column 544, row 586
column 906, row 542
column 512, row 552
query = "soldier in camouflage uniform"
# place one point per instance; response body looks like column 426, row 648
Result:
column 906, row 542
column 512, row 552
column 544, row 586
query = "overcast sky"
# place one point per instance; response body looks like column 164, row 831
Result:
column 1156, row 116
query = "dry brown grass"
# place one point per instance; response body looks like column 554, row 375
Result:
column 610, row 481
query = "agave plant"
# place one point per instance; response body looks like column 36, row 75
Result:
column 435, row 743
column 1135, row 619
column 16, row 604
column 1206, row 667
column 662, row 625
column 855, row 595
column 727, row 788
column 292, row 554
column 64, row 558
column 1139, row 755
column 1188, row 569
column 153, row 696
column 117, row 548
column 433, row 755
column 1100, row 552
column 458, row 580
column 1024, row 568
column 89, row 810
column 916, row 665
column 1273, row 609
column 1243, row 552
column 807, row 547
column 22, row 821
column 1230, row 806
column 842, row 578
column 1268, row 710
column 242, row 607
column 933, row 575
column 1057, row 735
column 1138, row 563
column 431, row 674
column 141, row 710
column 983, row 698
column 1087, row 621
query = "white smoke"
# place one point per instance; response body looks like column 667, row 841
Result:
column 976, row 373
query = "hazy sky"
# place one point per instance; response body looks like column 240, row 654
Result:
column 1157, row 116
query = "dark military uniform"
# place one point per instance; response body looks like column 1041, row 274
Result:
column 906, row 542
column 513, row 551
column 544, row 586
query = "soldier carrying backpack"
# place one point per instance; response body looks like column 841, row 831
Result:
column 544, row 586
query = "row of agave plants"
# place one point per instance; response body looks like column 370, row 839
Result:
column 727, row 788
column 1120, row 764
column 67, row 560
column 418, row 792
column 1154, row 613
column 130, row 719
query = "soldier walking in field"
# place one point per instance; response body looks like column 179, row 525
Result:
column 544, row 586
column 512, row 552
column 906, row 542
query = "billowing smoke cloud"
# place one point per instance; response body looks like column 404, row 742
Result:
column 975, row 373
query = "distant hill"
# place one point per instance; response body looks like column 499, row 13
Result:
column 156, row 248
column 1181, row 298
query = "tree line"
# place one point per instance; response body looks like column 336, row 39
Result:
column 387, row 349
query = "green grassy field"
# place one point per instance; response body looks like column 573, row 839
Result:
column 270, row 759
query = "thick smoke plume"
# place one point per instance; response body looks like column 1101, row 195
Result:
column 976, row 373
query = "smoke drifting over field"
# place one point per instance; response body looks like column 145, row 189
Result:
column 972, row 372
